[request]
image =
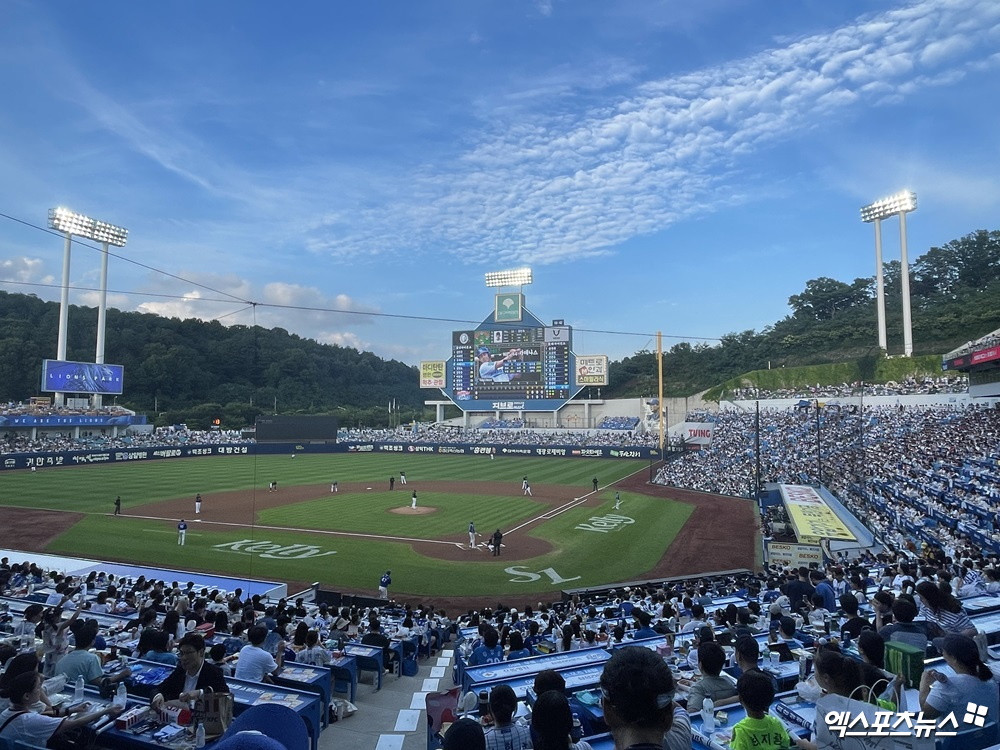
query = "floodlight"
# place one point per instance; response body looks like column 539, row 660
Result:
column 70, row 222
column 893, row 205
column 890, row 206
column 513, row 277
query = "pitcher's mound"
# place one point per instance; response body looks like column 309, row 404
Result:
column 420, row 510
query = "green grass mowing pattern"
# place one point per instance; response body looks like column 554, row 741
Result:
column 92, row 488
column 579, row 558
column 625, row 552
column 595, row 558
column 371, row 513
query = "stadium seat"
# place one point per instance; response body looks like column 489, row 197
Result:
column 978, row 738
column 370, row 664
column 441, row 708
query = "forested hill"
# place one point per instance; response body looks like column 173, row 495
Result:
column 189, row 370
column 955, row 298
column 173, row 365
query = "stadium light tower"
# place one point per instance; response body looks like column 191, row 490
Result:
column 900, row 203
column 70, row 223
column 513, row 277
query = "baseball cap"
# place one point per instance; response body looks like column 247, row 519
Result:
column 482, row 350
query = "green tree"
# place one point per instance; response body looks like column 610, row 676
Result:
column 824, row 297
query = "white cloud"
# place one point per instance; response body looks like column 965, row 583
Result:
column 304, row 310
column 547, row 182
column 344, row 338
column 25, row 270
column 556, row 187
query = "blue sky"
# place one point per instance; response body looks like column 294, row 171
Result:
column 671, row 166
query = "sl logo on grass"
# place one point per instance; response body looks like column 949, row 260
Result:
column 273, row 551
column 606, row 523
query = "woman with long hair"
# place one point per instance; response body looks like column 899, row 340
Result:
column 55, row 638
column 299, row 637
column 943, row 609
column 839, row 675
column 21, row 724
column 26, row 662
column 552, row 723
column 941, row 694
column 173, row 625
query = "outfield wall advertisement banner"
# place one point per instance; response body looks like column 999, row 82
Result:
column 432, row 374
column 794, row 555
column 591, row 370
column 81, row 458
column 698, row 433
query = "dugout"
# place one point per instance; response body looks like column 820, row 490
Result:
column 296, row 429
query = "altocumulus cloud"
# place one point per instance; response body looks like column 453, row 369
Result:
column 558, row 185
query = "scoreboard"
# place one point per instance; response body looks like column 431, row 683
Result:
column 512, row 363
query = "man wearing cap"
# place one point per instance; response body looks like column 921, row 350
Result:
column 193, row 677
column 490, row 370
column 182, row 528
column 472, row 535
column 383, row 585
column 497, row 540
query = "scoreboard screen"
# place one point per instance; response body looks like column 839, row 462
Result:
column 512, row 363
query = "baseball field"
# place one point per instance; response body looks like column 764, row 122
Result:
column 565, row 535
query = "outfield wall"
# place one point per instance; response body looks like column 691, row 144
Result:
column 12, row 461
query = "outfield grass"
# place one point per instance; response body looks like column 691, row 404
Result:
column 578, row 556
column 92, row 488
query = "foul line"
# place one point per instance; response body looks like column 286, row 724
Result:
column 329, row 532
column 576, row 502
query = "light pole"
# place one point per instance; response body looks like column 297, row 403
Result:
column 900, row 203
column 70, row 223
column 819, row 447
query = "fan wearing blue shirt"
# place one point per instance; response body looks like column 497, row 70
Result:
column 491, row 652
column 642, row 621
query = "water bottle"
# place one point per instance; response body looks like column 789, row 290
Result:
column 199, row 736
column 577, row 732
column 803, row 668
column 78, row 690
column 121, row 696
column 484, row 704
column 708, row 716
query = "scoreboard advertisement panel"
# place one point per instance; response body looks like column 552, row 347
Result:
column 513, row 367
